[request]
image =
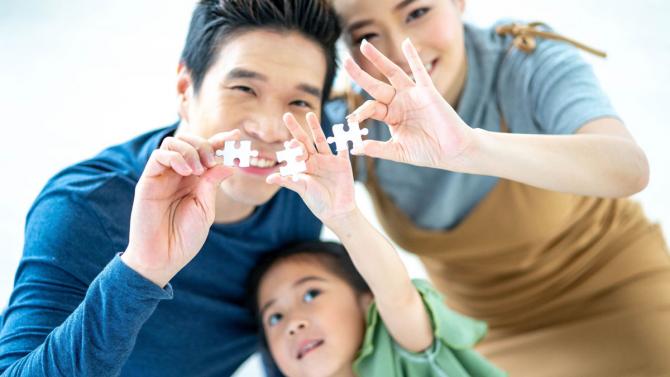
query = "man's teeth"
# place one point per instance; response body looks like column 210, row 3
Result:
column 261, row 162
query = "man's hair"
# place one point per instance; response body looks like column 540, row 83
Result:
column 215, row 21
column 330, row 255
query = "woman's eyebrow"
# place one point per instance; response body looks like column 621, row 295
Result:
column 358, row 25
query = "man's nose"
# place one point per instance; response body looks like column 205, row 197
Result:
column 267, row 128
column 296, row 326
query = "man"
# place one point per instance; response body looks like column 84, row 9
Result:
column 81, row 307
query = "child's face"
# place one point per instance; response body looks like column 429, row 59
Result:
column 434, row 26
column 313, row 320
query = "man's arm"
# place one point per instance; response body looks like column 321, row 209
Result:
column 56, row 323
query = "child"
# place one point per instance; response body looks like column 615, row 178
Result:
column 318, row 316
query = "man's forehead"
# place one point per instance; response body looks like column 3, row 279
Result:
column 275, row 55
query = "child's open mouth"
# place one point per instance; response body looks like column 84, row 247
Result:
column 308, row 346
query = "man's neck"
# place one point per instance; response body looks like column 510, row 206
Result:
column 230, row 211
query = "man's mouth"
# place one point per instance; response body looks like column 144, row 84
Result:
column 308, row 346
column 260, row 162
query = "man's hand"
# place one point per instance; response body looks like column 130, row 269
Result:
column 174, row 205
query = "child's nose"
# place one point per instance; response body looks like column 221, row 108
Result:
column 297, row 326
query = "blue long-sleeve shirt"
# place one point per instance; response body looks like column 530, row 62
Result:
column 78, row 310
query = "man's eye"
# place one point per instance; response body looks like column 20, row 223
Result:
column 301, row 103
column 417, row 13
column 368, row 37
column 274, row 319
column 310, row 295
column 244, row 89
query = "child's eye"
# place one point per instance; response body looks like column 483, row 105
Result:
column 415, row 14
column 301, row 103
column 274, row 319
column 311, row 295
column 244, row 89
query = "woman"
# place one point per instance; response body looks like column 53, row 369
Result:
column 507, row 170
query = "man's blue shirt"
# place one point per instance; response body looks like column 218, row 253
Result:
column 78, row 310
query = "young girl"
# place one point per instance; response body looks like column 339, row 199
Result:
column 317, row 318
column 501, row 163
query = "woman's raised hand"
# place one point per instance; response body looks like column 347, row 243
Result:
column 425, row 129
column 327, row 187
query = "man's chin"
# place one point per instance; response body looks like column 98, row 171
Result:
column 249, row 193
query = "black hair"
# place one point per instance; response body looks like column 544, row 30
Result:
column 331, row 255
column 215, row 21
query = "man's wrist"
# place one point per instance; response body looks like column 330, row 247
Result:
column 157, row 276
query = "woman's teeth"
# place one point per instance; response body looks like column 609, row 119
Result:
column 261, row 162
column 428, row 66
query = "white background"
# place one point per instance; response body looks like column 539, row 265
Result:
column 79, row 75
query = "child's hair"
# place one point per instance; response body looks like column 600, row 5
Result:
column 330, row 255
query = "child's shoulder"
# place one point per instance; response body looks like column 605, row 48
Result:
column 451, row 353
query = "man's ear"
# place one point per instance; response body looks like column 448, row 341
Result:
column 184, row 91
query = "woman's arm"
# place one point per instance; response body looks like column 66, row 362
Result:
column 602, row 159
column 328, row 190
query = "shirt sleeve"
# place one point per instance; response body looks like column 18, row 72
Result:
column 451, row 354
column 76, row 308
column 552, row 90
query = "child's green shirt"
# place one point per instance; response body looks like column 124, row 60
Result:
column 451, row 353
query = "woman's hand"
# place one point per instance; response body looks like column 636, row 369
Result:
column 425, row 129
column 174, row 205
column 327, row 187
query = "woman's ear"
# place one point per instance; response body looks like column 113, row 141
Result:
column 184, row 91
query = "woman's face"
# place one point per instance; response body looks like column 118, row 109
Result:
column 434, row 26
column 313, row 320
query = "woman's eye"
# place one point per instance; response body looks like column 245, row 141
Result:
column 417, row 13
column 311, row 295
column 274, row 319
column 301, row 103
column 244, row 89
column 368, row 37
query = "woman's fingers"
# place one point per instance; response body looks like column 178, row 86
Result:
column 370, row 109
column 396, row 76
column 415, row 64
column 298, row 132
column 387, row 150
column 317, row 134
column 379, row 90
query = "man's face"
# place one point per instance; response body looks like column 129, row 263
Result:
column 257, row 77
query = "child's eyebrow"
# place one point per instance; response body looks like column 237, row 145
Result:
column 300, row 281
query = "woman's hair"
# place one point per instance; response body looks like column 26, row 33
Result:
column 331, row 255
column 215, row 21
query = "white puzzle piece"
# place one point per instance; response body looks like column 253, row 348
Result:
column 293, row 167
column 342, row 137
column 243, row 153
